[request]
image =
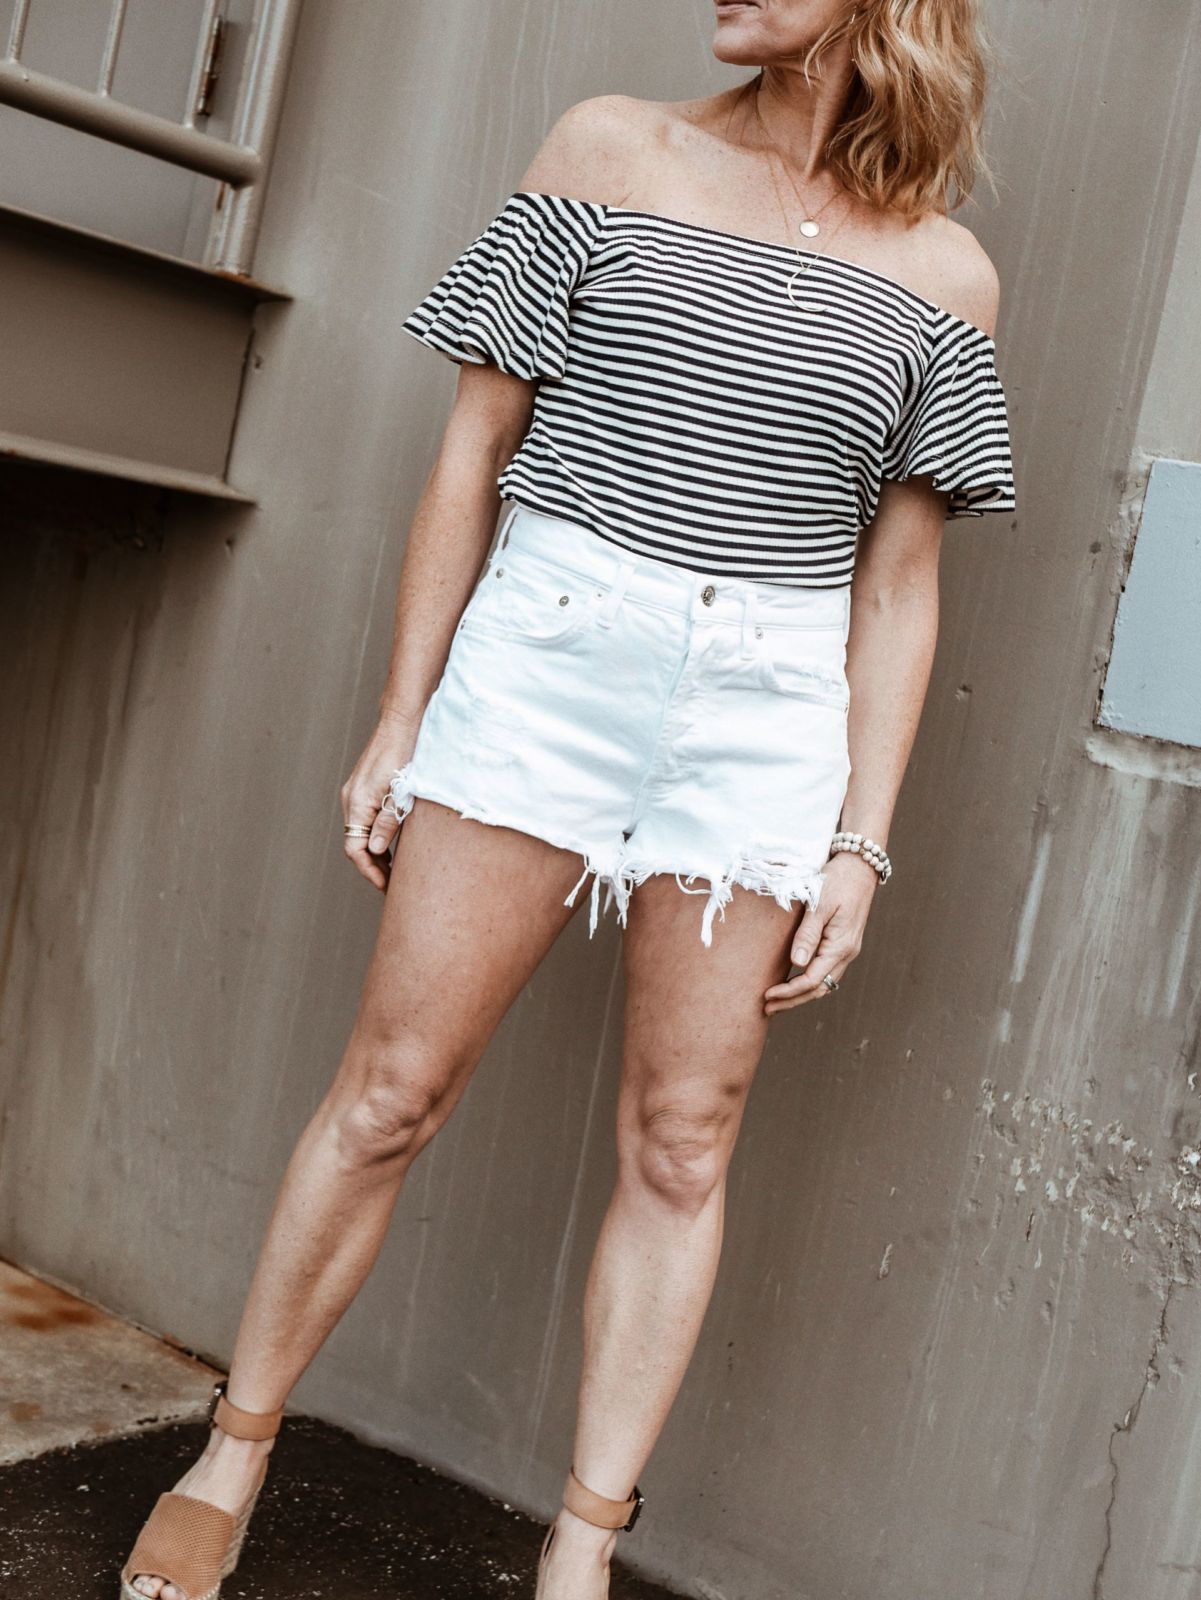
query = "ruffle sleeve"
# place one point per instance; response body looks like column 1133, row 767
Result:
column 956, row 425
column 506, row 299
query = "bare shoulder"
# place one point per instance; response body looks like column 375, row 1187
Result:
column 960, row 272
column 596, row 148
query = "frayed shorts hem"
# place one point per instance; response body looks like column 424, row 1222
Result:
column 619, row 870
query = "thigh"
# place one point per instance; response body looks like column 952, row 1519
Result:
column 695, row 1024
column 469, row 913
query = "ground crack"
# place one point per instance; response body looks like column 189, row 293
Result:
column 1150, row 1376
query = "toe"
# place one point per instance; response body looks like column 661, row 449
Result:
column 149, row 1586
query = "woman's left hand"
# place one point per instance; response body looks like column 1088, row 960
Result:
column 830, row 938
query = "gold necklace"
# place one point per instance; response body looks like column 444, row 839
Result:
column 808, row 226
column 805, row 263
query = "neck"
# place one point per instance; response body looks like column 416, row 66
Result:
column 799, row 115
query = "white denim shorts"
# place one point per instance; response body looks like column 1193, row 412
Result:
column 649, row 718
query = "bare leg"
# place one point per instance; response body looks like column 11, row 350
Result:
column 470, row 912
column 695, row 1030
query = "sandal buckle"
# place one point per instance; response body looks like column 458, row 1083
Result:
column 639, row 1502
column 218, row 1395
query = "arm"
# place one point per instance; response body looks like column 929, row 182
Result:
column 890, row 651
column 450, row 535
column 585, row 154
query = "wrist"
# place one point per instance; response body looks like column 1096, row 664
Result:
column 395, row 714
column 873, row 828
column 858, row 862
column 869, row 851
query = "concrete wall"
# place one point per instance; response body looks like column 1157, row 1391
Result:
column 954, row 1348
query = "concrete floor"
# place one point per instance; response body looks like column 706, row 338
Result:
column 89, row 1443
column 70, row 1374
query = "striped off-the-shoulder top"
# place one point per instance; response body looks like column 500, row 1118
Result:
column 688, row 410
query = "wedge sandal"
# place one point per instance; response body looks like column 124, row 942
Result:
column 189, row 1542
column 595, row 1508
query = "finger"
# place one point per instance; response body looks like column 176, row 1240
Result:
column 383, row 831
column 815, row 966
column 804, row 988
column 355, row 850
column 832, row 953
column 805, row 941
column 368, row 851
column 359, row 807
column 833, row 956
column 809, row 934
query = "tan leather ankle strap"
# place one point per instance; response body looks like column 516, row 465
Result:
column 242, row 1424
column 595, row 1508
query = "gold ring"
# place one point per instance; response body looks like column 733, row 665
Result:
column 356, row 830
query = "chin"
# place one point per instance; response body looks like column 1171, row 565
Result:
column 739, row 39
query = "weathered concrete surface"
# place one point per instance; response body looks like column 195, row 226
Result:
column 70, row 1373
column 954, row 1347
column 337, row 1520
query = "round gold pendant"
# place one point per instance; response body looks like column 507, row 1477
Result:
column 810, row 228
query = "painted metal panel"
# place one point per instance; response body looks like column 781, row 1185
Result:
column 118, row 354
column 1153, row 685
column 128, row 82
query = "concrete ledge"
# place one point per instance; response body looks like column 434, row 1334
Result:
column 48, row 453
column 118, row 359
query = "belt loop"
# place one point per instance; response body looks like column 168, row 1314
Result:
column 617, row 593
column 749, row 617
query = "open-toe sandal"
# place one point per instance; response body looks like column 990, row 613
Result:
column 188, row 1542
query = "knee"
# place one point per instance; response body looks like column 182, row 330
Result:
column 680, row 1152
column 397, row 1097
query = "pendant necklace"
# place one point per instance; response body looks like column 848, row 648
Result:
column 809, row 227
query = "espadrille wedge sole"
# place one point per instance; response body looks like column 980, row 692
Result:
column 188, row 1542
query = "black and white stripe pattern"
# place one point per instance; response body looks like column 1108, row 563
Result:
column 687, row 410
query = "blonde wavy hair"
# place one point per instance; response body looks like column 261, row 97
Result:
column 911, row 128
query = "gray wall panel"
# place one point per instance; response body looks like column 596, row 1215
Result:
column 954, row 1345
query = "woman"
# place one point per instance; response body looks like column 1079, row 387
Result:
column 724, row 356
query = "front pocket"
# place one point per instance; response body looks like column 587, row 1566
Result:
column 536, row 607
column 792, row 667
column 803, row 684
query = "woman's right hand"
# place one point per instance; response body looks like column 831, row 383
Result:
column 364, row 792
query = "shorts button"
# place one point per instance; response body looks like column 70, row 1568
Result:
column 708, row 594
column 564, row 599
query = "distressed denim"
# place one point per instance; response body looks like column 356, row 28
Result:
column 647, row 717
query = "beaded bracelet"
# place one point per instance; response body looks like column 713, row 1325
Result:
column 871, row 852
